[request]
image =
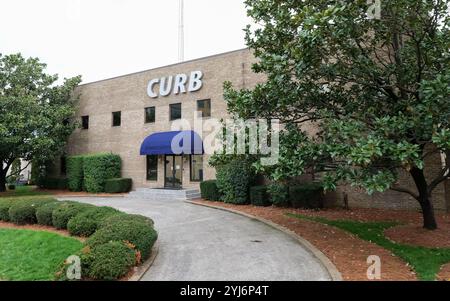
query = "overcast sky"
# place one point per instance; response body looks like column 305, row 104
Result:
column 105, row 38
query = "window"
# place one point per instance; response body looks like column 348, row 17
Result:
column 150, row 115
column 116, row 118
column 175, row 111
column 152, row 168
column 63, row 166
column 204, row 108
column 85, row 122
column 196, row 168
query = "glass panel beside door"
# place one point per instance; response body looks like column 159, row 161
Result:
column 173, row 170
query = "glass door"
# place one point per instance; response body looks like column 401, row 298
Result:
column 173, row 171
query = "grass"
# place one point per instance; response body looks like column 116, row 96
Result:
column 21, row 191
column 33, row 255
column 426, row 262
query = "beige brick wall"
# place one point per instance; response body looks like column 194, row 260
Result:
column 128, row 94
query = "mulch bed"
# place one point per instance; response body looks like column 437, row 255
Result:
column 36, row 227
column 444, row 274
column 346, row 251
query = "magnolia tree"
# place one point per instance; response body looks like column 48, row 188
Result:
column 376, row 87
column 34, row 112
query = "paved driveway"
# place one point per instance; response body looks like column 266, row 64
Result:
column 199, row 243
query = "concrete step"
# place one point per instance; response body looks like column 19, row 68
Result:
column 165, row 194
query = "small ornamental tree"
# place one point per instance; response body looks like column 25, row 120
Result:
column 34, row 112
column 377, row 88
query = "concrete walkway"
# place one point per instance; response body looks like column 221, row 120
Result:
column 199, row 243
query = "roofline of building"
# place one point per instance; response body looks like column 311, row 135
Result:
column 165, row 66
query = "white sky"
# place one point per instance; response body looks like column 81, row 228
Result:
column 105, row 38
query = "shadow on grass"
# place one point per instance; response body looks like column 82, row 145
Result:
column 426, row 262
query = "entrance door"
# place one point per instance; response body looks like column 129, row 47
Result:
column 173, row 171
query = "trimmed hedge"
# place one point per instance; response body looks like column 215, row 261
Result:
column 44, row 213
column 234, row 180
column 279, row 194
column 53, row 183
column 118, row 185
column 209, row 190
column 5, row 204
column 98, row 168
column 140, row 234
column 117, row 218
column 11, row 187
column 63, row 213
column 309, row 196
column 88, row 221
column 75, row 173
column 24, row 212
column 259, row 196
column 109, row 261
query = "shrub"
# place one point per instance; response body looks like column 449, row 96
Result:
column 23, row 212
column 309, row 196
column 259, row 196
column 279, row 194
column 44, row 213
column 98, row 168
column 12, row 187
column 63, row 213
column 87, row 222
column 117, row 218
column 234, row 180
column 5, row 204
column 140, row 234
column 109, row 261
column 209, row 190
column 53, row 183
column 75, row 173
column 118, row 185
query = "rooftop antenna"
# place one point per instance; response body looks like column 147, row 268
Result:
column 181, row 31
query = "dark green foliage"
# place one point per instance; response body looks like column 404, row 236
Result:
column 5, row 204
column 117, row 218
column 53, row 183
column 75, row 173
column 22, row 214
column 12, row 187
column 109, row 261
column 88, row 221
column 140, row 234
column 63, row 213
column 259, row 196
column 308, row 195
column 234, row 180
column 118, row 185
column 98, row 168
column 44, row 213
column 279, row 194
column 209, row 190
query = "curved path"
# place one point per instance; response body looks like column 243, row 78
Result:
column 199, row 243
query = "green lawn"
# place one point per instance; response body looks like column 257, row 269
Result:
column 33, row 255
column 21, row 191
column 425, row 261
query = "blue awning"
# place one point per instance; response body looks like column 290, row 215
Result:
column 173, row 143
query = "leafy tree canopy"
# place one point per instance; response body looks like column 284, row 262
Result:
column 34, row 111
column 378, row 89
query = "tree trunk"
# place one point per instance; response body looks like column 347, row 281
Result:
column 2, row 181
column 429, row 220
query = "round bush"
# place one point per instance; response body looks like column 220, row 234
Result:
column 279, row 194
column 126, row 217
column 88, row 221
column 44, row 213
column 22, row 214
column 4, row 209
column 140, row 234
column 234, row 180
column 63, row 213
column 109, row 261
